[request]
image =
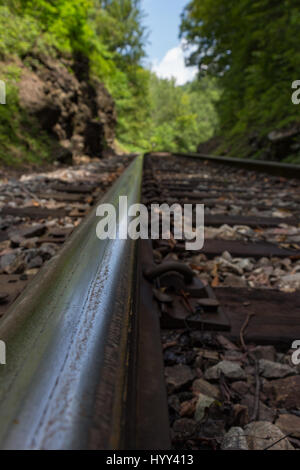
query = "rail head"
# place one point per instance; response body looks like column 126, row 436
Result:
column 64, row 381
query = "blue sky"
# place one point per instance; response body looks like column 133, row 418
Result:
column 164, row 51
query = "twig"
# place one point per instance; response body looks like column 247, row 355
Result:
column 243, row 330
column 257, row 391
column 186, row 301
column 276, row 442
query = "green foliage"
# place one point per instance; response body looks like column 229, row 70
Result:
column 253, row 49
column 119, row 24
column 18, row 34
column 18, row 142
column 181, row 116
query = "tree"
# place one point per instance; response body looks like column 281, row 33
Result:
column 252, row 48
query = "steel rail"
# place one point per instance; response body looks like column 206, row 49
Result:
column 274, row 168
column 68, row 341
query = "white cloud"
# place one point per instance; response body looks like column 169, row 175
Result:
column 172, row 65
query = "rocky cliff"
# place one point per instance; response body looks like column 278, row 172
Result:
column 74, row 110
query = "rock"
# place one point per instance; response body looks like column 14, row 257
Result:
column 204, row 387
column 12, row 263
column 289, row 424
column 178, row 376
column 47, row 250
column 31, row 272
column 34, row 230
column 226, row 344
column 261, row 434
column 264, row 414
column 291, row 278
column 211, row 427
column 227, row 266
column 234, row 439
column 231, row 370
column 227, row 256
column 72, row 106
column 241, row 388
column 27, row 231
column 264, row 262
column 36, row 262
column 187, row 408
column 16, row 240
column 30, row 242
column 232, row 280
column 274, row 370
column 284, row 393
column 264, row 352
column 210, row 357
column 185, row 427
column 235, row 356
column 203, row 402
column 245, row 264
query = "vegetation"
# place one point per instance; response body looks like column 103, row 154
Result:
column 152, row 113
column 252, row 48
column 181, row 117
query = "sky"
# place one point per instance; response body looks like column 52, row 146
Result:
column 165, row 55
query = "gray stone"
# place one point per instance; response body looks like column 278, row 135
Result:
column 231, row 370
column 47, row 250
column 12, row 263
column 35, row 262
column 234, row 439
column 202, row 403
column 261, row 434
column 274, row 370
column 245, row 264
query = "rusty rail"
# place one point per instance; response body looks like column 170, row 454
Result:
column 273, row 168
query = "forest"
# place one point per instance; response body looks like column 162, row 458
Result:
column 246, row 52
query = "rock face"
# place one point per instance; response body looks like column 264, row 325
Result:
column 77, row 110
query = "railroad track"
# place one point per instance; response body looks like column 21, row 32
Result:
column 133, row 344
